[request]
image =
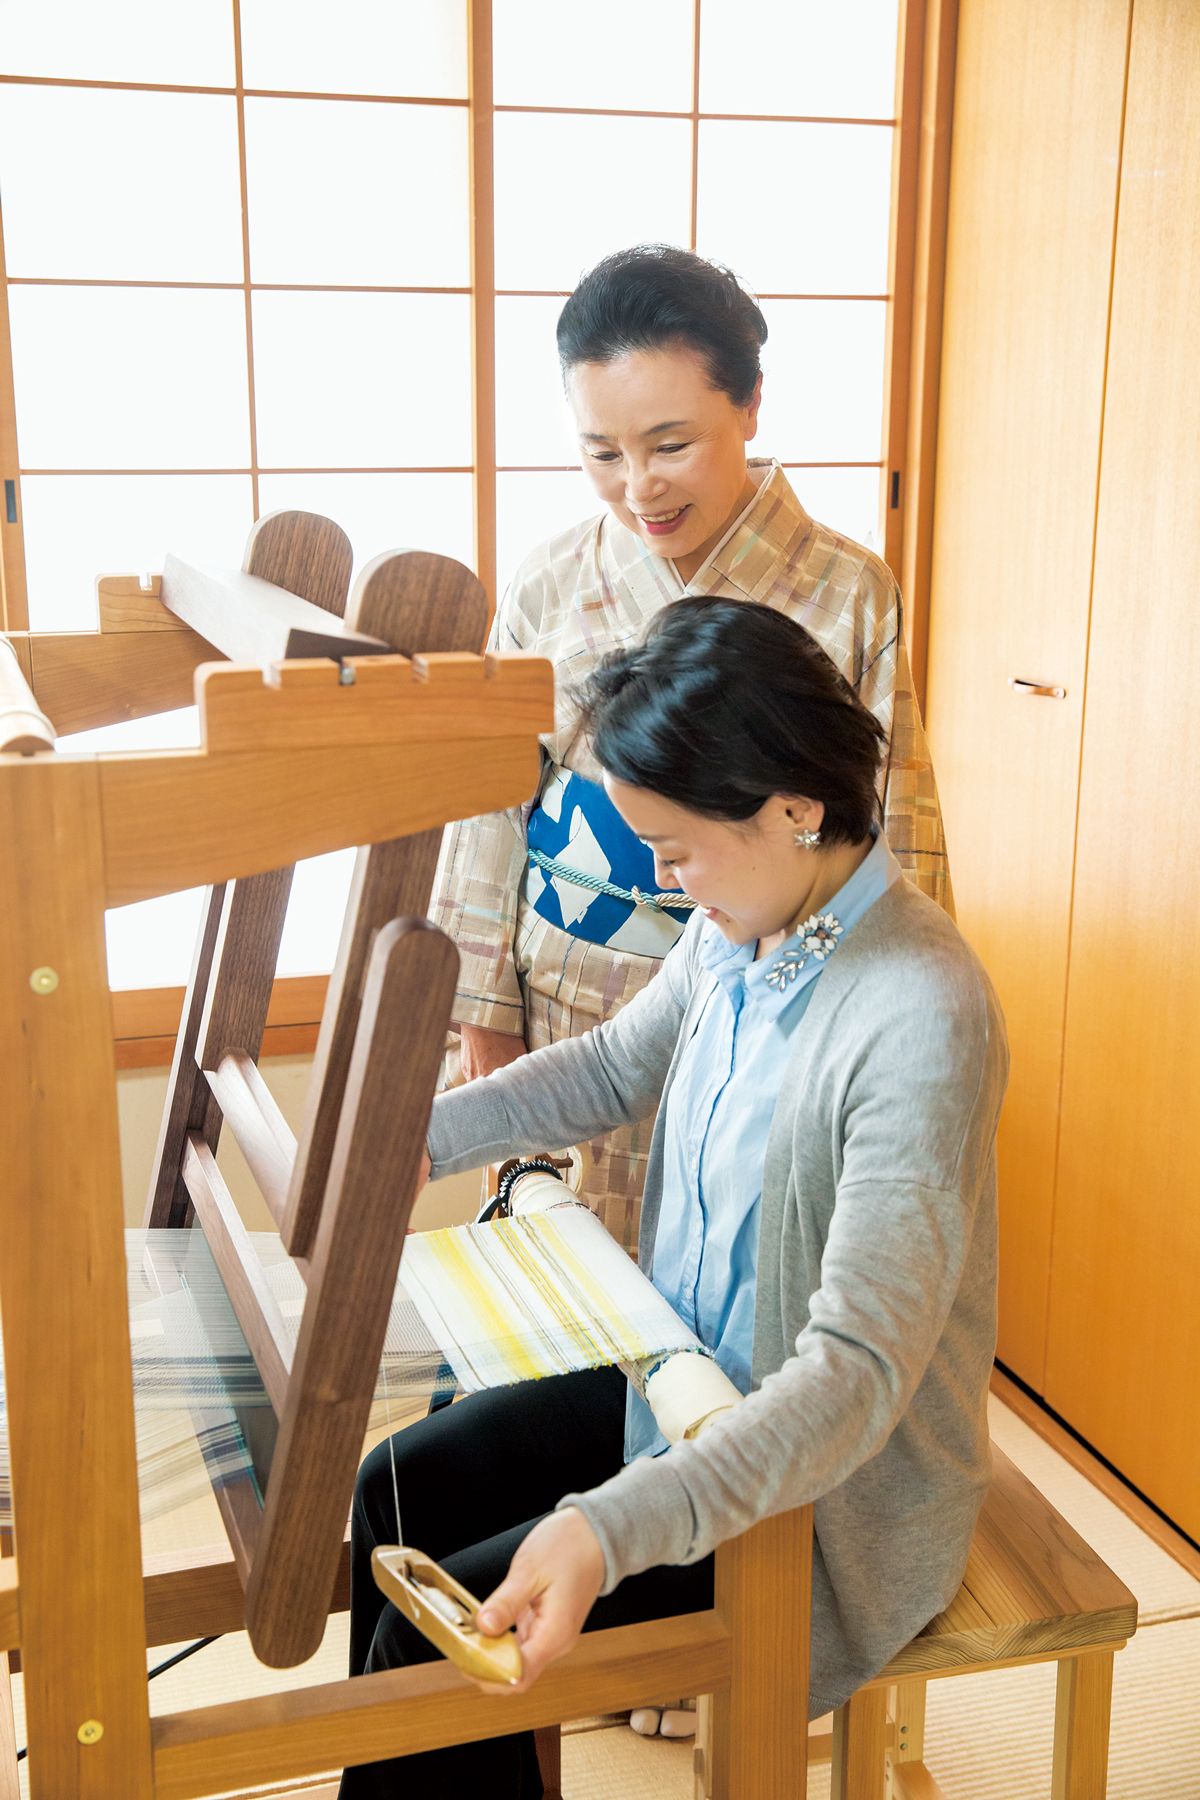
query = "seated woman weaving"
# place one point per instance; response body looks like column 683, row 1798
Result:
column 828, row 1060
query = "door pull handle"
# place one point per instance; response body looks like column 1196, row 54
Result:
column 1036, row 690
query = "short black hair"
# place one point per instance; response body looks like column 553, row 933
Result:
column 656, row 296
column 726, row 702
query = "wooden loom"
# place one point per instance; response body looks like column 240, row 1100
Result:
column 353, row 745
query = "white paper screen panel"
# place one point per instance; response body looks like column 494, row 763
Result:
column 572, row 188
column 84, row 199
column 361, row 47
column 837, row 179
column 822, row 380
column 362, row 380
column 351, row 193
column 630, row 55
column 810, row 57
column 123, row 524
column 123, row 40
column 129, row 378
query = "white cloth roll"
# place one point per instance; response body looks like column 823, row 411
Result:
column 538, row 1192
column 685, row 1392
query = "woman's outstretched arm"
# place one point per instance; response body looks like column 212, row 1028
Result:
column 572, row 1090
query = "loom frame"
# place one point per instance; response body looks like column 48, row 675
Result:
column 374, row 1075
column 421, row 741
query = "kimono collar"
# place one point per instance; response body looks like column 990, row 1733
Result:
column 768, row 531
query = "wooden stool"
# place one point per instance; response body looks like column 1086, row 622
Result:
column 1033, row 1592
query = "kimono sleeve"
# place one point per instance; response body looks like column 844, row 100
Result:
column 912, row 815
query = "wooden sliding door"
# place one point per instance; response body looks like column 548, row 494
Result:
column 1124, row 1343
column 1033, row 190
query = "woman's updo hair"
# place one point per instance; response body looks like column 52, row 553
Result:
column 726, row 702
column 654, row 297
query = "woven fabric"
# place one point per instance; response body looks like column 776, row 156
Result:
column 518, row 1299
column 477, row 1306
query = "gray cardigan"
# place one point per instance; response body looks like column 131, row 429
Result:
column 876, row 1295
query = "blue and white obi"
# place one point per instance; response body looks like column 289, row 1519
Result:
column 591, row 876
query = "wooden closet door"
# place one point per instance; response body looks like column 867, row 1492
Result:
column 1037, row 132
column 1124, row 1342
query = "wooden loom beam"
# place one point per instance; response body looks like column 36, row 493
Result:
column 253, row 621
column 254, row 1305
column 412, row 600
column 139, row 662
column 391, row 880
column 230, row 986
column 374, row 1077
column 143, row 659
column 739, row 1652
column 401, row 1711
column 217, row 817
column 168, row 1202
column 73, row 1455
column 373, row 1183
column 226, row 1005
column 261, row 1132
column 463, row 732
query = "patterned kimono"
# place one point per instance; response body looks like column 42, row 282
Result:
column 546, row 959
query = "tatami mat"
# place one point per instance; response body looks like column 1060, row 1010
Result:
column 988, row 1737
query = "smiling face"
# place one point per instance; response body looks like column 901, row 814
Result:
column 664, row 448
column 748, row 877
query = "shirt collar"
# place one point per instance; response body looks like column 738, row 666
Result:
column 734, row 965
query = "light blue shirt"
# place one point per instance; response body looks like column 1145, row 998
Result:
column 718, row 1117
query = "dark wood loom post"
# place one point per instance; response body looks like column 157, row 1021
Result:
column 548, row 1742
column 372, row 1185
column 421, row 604
column 187, row 1102
column 229, row 990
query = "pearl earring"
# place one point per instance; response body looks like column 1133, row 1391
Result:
column 807, row 840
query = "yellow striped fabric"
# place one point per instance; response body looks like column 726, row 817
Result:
column 547, row 1294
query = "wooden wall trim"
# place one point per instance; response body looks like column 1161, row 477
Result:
column 145, row 1021
column 483, row 291
column 918, row 453
column 910, row 59
column 247, row 290
column 1034, row 1413
column 14, row 599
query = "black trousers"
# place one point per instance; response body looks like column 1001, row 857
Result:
column 474, row 1479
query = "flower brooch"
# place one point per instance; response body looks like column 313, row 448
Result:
column 818, row 939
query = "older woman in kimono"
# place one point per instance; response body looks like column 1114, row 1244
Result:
column 555, row 909
column 827, row 1060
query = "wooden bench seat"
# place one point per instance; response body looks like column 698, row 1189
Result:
column 1033, row 1592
